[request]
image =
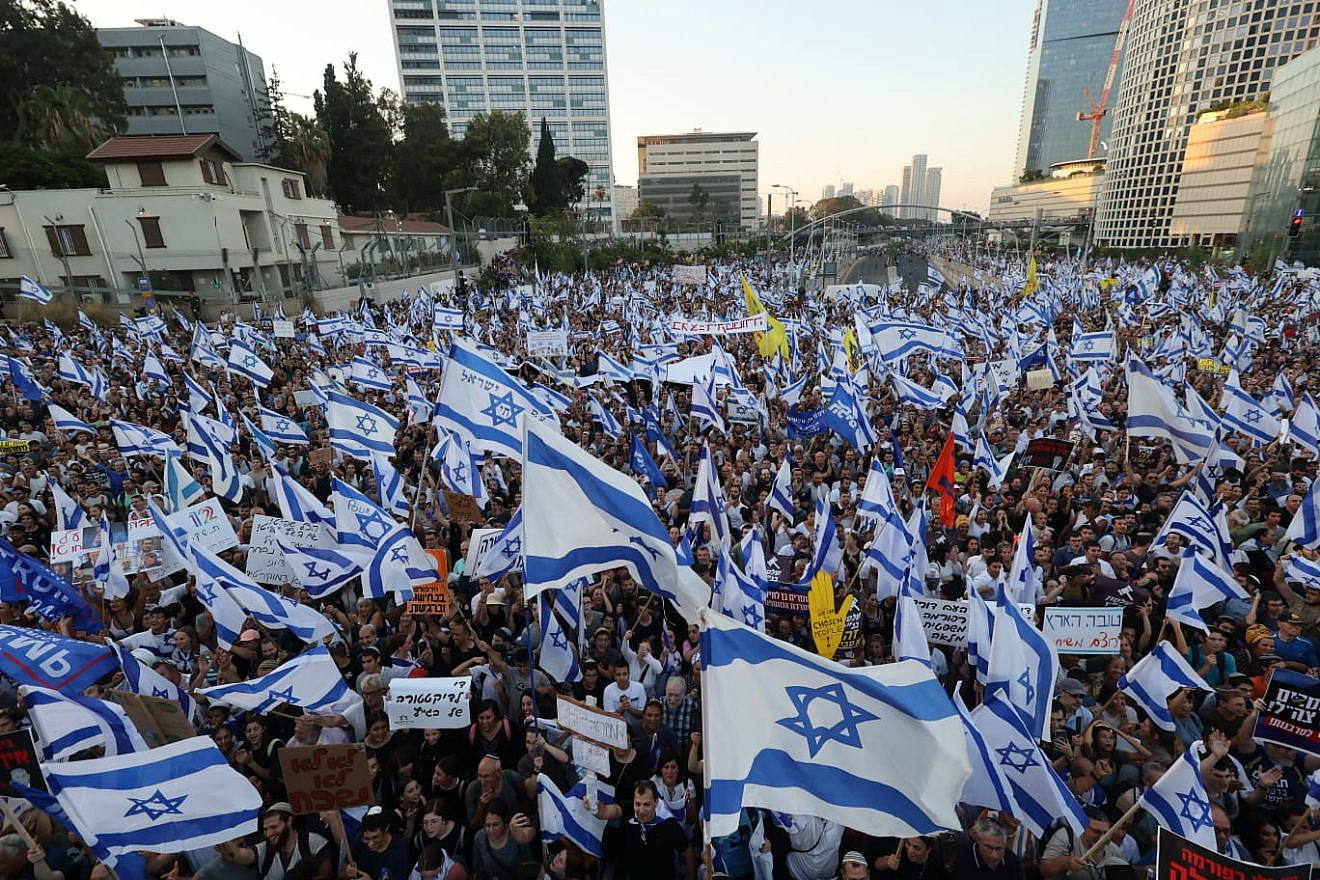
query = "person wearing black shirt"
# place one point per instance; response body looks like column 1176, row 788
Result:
column 378, row 854
column 650, row 845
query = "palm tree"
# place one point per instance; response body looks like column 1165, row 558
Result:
column 61, row 120
column 308, row 148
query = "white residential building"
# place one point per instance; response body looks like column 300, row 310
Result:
column 722, row 165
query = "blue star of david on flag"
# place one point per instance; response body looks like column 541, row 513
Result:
column 843, row 731
column 207, row 593
column 752, row 616
column 1016, row 758
column 1253, row 416
column 315, row 573
column 399, row 555
column 1195, row 810
column 284, row 696
column 1088, row 345
column 513, row 548
column 250, row 361
column 366, row 424
column 557, row 639
column 905, row 334
column 367, row 524
column 1025, row 680
column 282, row 425
column 503, row 410
column 155, row 806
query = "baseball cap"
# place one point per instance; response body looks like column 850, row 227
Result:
column 1070, row 686
column 1289, row 617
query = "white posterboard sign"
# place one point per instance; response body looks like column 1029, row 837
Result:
column 479, row 542
column 428, row 703
column 1084, row 630
column 206, row 526
column 306, row 398
column 1038, row 380
column 266, row 563
column 689, row 274
column 547, row 343
column 945, row 620
column 282, row 329
column 591, row 756
column 594, row 724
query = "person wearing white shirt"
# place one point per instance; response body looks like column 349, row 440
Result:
column 988, row 582
column 1091, row 558
column 814, row 843
column 624, row 697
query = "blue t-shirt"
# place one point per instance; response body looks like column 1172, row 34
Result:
column 1299, row 650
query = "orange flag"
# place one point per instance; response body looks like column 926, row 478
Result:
column 941, row 481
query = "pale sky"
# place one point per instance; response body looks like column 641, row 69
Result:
column 837, row 90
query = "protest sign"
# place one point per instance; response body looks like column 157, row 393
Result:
column 266, row 563
column 1038, row 380
column 591, row 756
column 329, row 777
column 428, row 703
column 1046, row 452
column 206, row 526
column 594, row 724
column 1211, row 365
column 282, row 329
column 479, row 541
column 306, row 399
column 74, row 552
column 547, row 343
column 160, row 721
column 463, row 508
column 806, row 423
column 1084, row 630
column 1177, row 858
column 945, row 620
column 827, row 622
column 433, row 598
column 685, row 327
column 19, row 762
column 320, row 455
column 741, row 413
column 689, row 274
column 1291, row 717
column 8, row 446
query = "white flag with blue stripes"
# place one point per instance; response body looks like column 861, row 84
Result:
column 359, row 429
column 282, row 428
column 1179, row 800
column 320, row 570
column 38, row 293
column 66, row 422
column 1304, row 428
column 1154, row 411
column 143, row 679
column 612, row 524
column 1022, row 665
column 565, row 815
column 505, row 555
column 67, row 724
column 1244, row 414
column 311, row 681
column 478, row 398
column 297, row 502
column 263, row 606
column 802, row 734
column 1305, row 525
column 781, row 493
column 140, row 440
column 245, row 362
column 1199, row 584
column 1154, row 679
column 181, row 796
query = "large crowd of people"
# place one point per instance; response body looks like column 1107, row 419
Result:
column 462, row 803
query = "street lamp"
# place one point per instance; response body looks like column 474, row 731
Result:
column 64, row 258
column 453, row 236
column 792, row 222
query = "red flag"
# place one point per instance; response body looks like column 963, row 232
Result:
column 941, row 481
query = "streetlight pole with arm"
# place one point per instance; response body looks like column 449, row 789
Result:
column 792, row 222
column 453, row 236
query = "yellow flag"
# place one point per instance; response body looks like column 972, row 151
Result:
column 1031, row 278
column 776, row 338
column 850, row 348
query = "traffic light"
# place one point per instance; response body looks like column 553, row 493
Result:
column 1295, row 225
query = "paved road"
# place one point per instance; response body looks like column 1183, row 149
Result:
column 871, row 270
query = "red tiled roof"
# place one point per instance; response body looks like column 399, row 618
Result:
column 351, row 223
column 158, row 146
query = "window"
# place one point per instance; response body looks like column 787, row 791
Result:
column 68, row 241
column 212, row 172
column 5, row 253
column 151, row 173
column 151, row 236
column 291, row 189
column 300, row 229
column 327, row 237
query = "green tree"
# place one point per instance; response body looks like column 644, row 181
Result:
column 46, row 43
column 361, row 145
column 795, row 218
column 697, row 200
column 33, row 168
column 572, row 180
column 308, row 151
column 647, row 210
column 276, row 124
column 424, row 159
column 546, row 191
column 495, row 160
column 61, row 120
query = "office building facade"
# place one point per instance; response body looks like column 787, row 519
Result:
column 722, row 165
column 181, row 80
column 1182, row 59
column 1072, row 43
column 890, row 198
column 544, row 58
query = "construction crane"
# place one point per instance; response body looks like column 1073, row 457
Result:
column 1096, row 114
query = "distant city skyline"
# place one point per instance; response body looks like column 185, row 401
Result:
column 734, row 66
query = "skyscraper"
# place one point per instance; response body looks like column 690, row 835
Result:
column 931, row 191
column 890, row 198
column 186, row 80
column 905, row 194
column 545, row 58
column 827, row 191
column 918, row 195
column 1072, row 42
column 1181, row 59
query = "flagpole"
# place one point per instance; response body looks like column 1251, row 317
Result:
column 1113, row 830
column 18, row 826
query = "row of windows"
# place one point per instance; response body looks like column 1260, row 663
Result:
column 154, row 51
column 163, row 82
column 171, row 110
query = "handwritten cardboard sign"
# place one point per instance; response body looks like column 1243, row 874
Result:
column 463, row 508
column 945, row 620
column 1084, row 630
column 320, row 455
column 266, row 562
column 160, row 721
column 328, row 777
column 593, row 724
column 428, row 703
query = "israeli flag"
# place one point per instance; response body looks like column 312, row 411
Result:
column 1199, row 584
column 180, row 488
column 1153, row 411
column 266, row 608
column 1303, row 571
column 66, row 422
column 1023, row 666
column 181, row 796
column 69, row 514
column 198, row 394
column 297, row 503
column 229, row 617
column 458, row 471
column 142, row 679
column 140, row 440
column 107, row 571
column 565, row 815
column 1305, row 426
column 366, row 374
column 1154, row 679
column 1194, row 521
column 419, row 405
column 262, row 445
column 38, row 293
column 803, row 734
column 1038, row 794
column 1305, row 526
column 986, row 787
column 877, row 503
column 781, row 493
column 1093, row 347
column 612, row 524
column 360, row 522
column 1245, row 415
column 217, row 439
column 912, row 394
column 556, row 657
column 909, row 635
column 359, row 429
column 708, row 504
column 608, row 368
column 478, row 398
column 67, row 724
column 321, row 571
column 996, row 470
column 737, row 594
column 644, row 465
column 505, row 555
column 311, row 681
column 1179, row 800
column 244, row 362
column 705, row 408
column 153, row 369
column 282, row 428
column 448, row 319
column 894, row 340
